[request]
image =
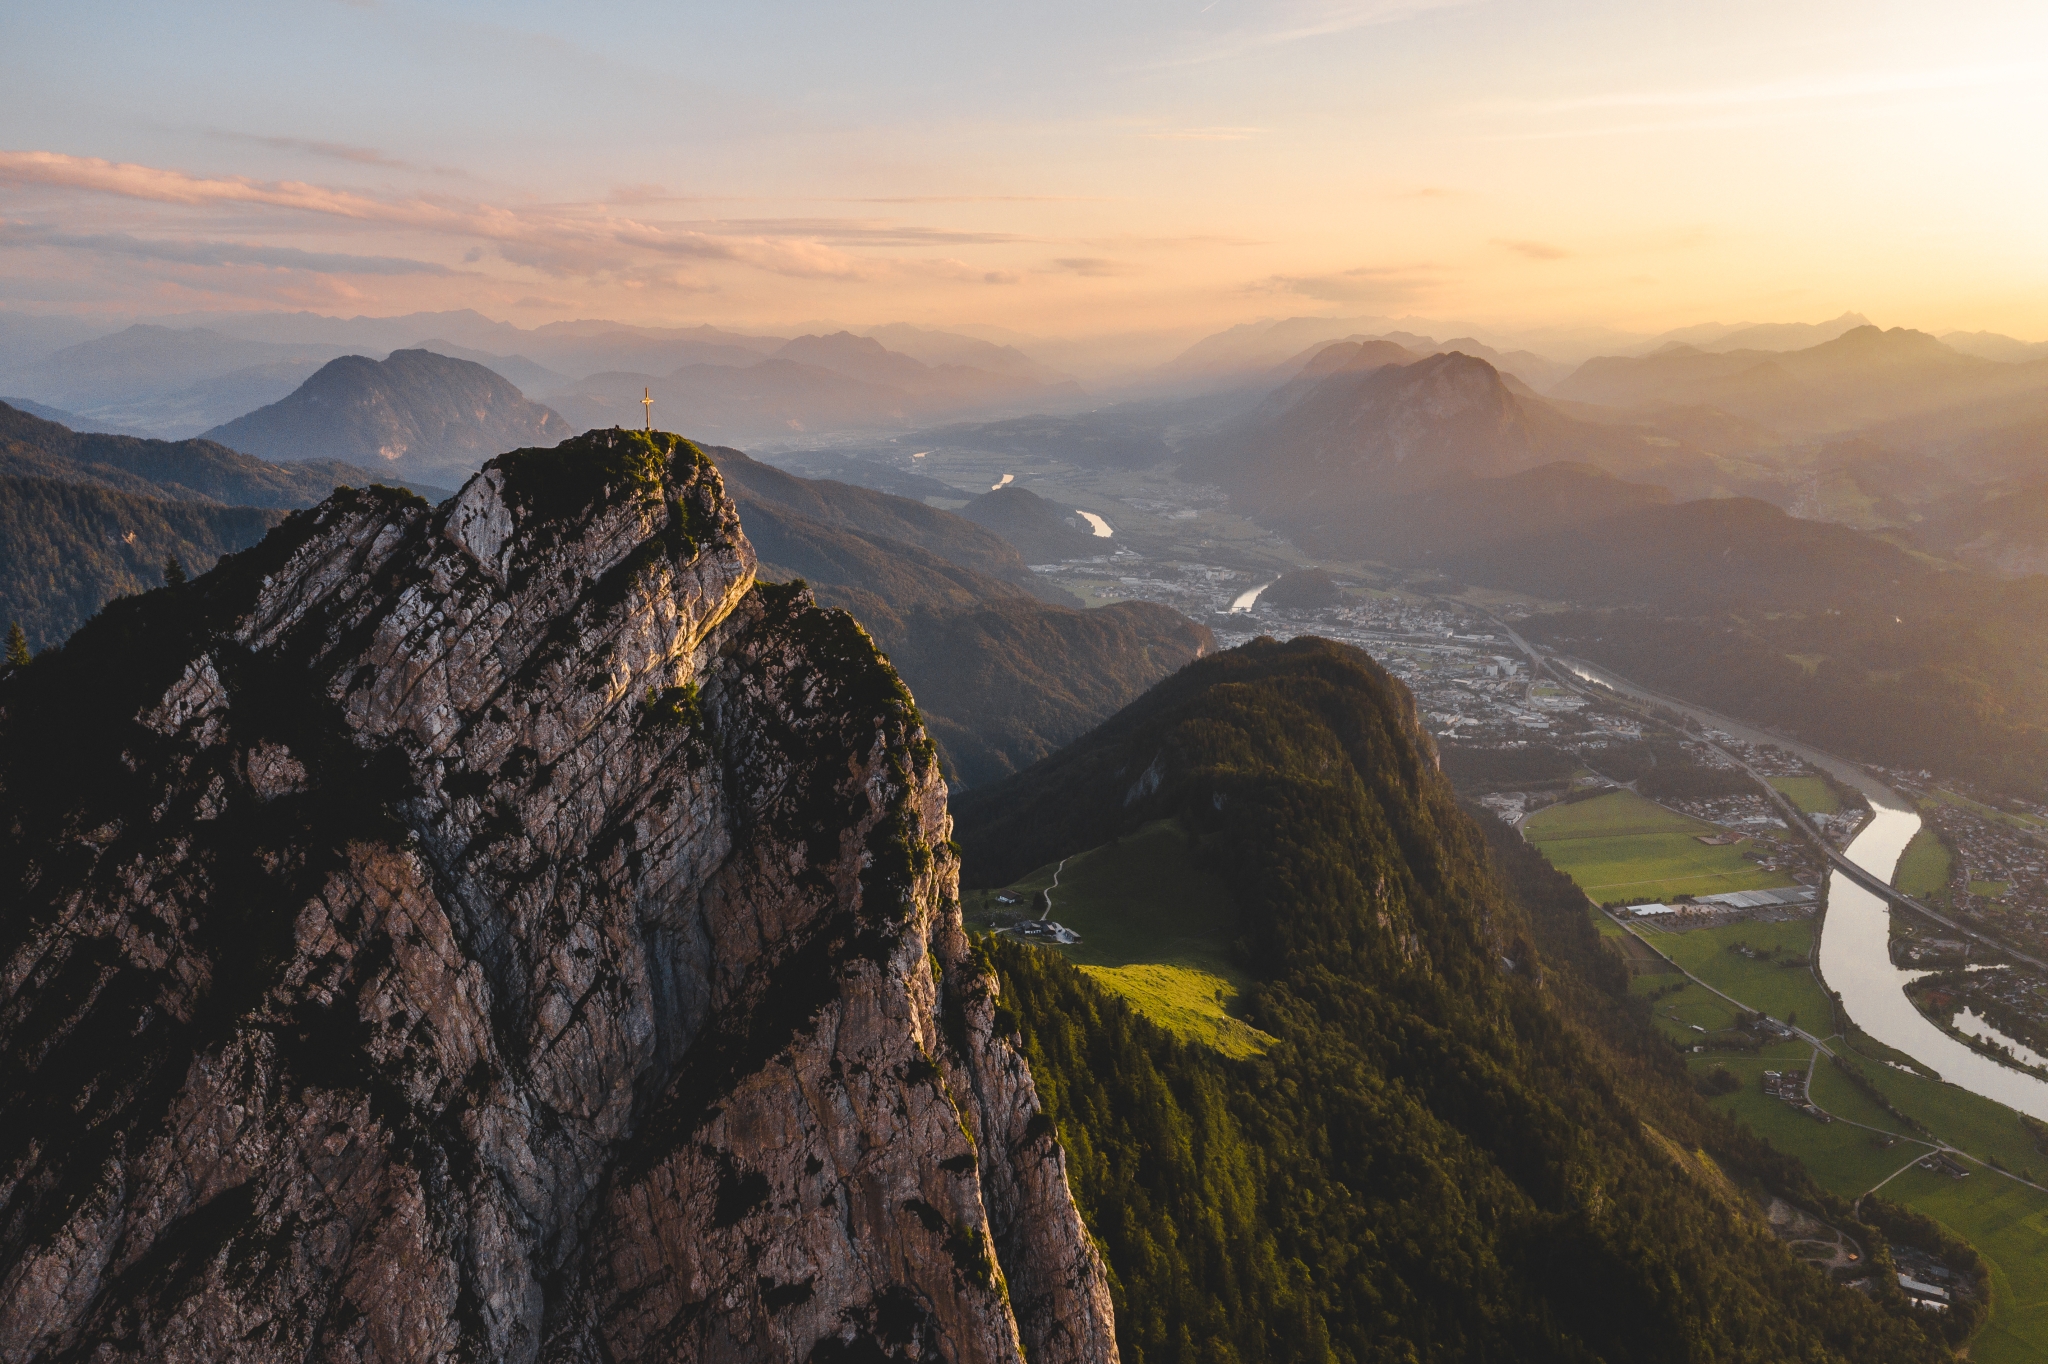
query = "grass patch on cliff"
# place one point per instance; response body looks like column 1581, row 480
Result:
column 1154, row 929
column 1622, row 847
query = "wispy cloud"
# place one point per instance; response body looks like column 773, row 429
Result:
column 1532, row 250
column 334, row 151
column 1368, row 284
column 1705, row 109
column 1094, row 267
column 973, row 199
column 852, row 230
column 18, row 236
column 558, row 240
column 1280, row 24
column 1846, row 85
column 1203, row 134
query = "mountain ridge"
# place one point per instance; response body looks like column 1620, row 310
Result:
column 548, row 952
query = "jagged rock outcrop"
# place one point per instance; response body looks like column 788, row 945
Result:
column 504, row 932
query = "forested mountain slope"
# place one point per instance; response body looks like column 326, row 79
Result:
column 66, row 549
column 1003, row 677
column 1460, row 1147
column 186, row 470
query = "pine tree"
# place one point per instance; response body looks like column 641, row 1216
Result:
column 174, row 572
column 17, row 647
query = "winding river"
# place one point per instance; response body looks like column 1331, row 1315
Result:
column 1855, row 959
column 1855, row 947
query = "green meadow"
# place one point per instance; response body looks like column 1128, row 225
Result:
column 1812, row 795
column 1623, row 847
column 2005, row 1220
column 1925, row 866
column 1153, row 929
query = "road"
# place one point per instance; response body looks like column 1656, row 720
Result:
column 1820, row 1045
column 1863, row 878
column 1874, row 884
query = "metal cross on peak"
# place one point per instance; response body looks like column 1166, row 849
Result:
column 647, row 402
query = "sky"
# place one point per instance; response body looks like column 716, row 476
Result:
column 1059, row 169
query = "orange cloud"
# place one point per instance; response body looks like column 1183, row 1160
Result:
column 557, row 240
column 1533, row 250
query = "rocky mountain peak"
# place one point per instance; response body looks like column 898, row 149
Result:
column 504, row 931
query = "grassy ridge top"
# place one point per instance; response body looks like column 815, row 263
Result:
column 1155, row 929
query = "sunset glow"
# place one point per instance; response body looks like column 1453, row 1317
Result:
column 1142, row 170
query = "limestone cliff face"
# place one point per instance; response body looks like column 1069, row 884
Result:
column 504, row 932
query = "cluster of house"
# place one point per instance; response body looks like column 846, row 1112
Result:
column 1038, row 930
column 1924, row 1279
column 1044, row 930
column 1732, row 900
column 1790, row 1086
column 1941, row 1161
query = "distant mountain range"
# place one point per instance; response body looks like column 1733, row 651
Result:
column 178, row 377
column 1861, row 377
column 418, row 414
column 185, row 471
column 1008, row 668
column 2005, row 534
column 806, row 386
column 1358, row 429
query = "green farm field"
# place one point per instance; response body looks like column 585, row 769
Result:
column 1153, row 929
column 1925, row 865
column 1622, row 847
column 1780, row 985
column 2007, row 1221
column 1844, row 1158
column 1812, row 795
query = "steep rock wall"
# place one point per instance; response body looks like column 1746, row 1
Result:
column 504, row 932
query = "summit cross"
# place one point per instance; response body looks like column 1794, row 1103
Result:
column 647, row 402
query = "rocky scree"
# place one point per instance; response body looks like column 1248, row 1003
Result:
column 504, row 931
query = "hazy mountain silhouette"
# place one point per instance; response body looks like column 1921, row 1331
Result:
column 1865, row 375
column 528, row 376
column 1042, row 532
column 423, row 415
column 1125, row 436
column 1714, row 336
column 810, row 384
column 2006, row 534
column 1324, row 451
column 952, row 348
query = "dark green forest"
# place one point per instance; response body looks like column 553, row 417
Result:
column 66, row 549
column 1467, row 1143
